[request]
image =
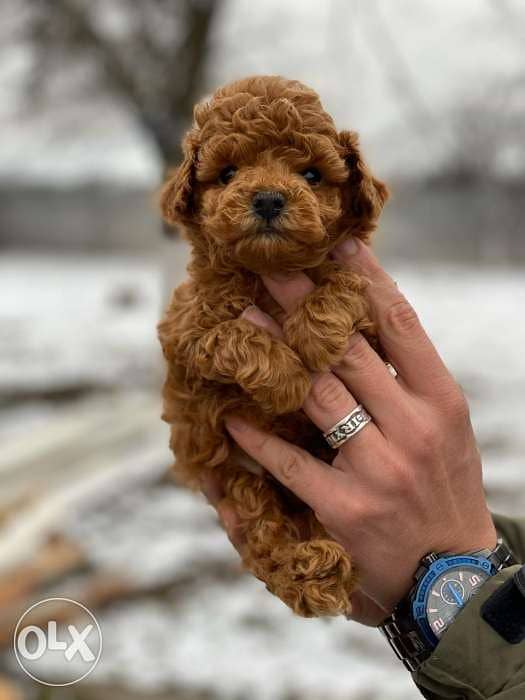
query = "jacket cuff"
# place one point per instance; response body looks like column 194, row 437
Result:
column 471, row 660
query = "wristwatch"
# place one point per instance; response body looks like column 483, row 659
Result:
column 444, row 583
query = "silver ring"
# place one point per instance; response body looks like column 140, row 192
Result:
column 347, row 427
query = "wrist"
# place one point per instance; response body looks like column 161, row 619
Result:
column 486, row 538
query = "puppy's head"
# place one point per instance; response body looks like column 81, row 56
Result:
column 267, row 182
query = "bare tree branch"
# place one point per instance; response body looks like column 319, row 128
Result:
column 157, row 66
column 194, row 47
column 117, row 72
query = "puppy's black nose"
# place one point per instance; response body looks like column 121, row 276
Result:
column 268, row 205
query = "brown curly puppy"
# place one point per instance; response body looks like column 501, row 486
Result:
column 267, row 184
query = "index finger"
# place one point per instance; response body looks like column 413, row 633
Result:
column 400, row 331
column 288, row 290
column 311, row 480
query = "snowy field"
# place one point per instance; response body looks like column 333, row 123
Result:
column 71, row 322
column 89, row 323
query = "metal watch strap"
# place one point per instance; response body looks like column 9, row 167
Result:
column 407, row 643
column 500, row 557
column 400, row 629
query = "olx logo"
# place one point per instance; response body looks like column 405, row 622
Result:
column 58, row 655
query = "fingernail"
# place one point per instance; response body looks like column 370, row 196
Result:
column 254, row 314
column 346, row 248
column 234, row 424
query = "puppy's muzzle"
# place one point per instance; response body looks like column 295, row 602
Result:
column 268, row 205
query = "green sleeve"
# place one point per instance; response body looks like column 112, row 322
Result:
column 472, row 662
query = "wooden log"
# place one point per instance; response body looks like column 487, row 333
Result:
column 94, row 591
column 54, row 453
column 57, row 558
column 8, row 690
column 97, row 590
column 107, row 452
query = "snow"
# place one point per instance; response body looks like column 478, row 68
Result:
column 243, row 644
column 475, row 318
column 230, row 636
column 69, row 321
column 64, row 323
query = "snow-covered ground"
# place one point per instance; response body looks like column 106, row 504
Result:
column 76, row 321
column 223, row 632
column 89, row 321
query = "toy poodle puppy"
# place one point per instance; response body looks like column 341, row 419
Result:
column 267, row 185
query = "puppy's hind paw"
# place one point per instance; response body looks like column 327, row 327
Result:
column 314, row 578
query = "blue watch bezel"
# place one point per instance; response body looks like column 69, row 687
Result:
column 422, row 591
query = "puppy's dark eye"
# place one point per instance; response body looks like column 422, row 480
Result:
column 227, row 174
column 312, row 176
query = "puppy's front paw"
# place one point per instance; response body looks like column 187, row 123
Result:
column 319, row 329
column 239, row 352
column 280, row 383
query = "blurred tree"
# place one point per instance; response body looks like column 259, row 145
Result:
column 151, row 54
column 490, row 143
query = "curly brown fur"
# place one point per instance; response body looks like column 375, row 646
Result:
column 272, row 130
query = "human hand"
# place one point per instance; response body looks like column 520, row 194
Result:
column 364, row 610
column 410, row 481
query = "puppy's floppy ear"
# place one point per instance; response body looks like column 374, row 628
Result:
column 176, row 193
column 365, row 194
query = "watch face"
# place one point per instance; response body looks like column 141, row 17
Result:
column 449, row 593
column 446, row 588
